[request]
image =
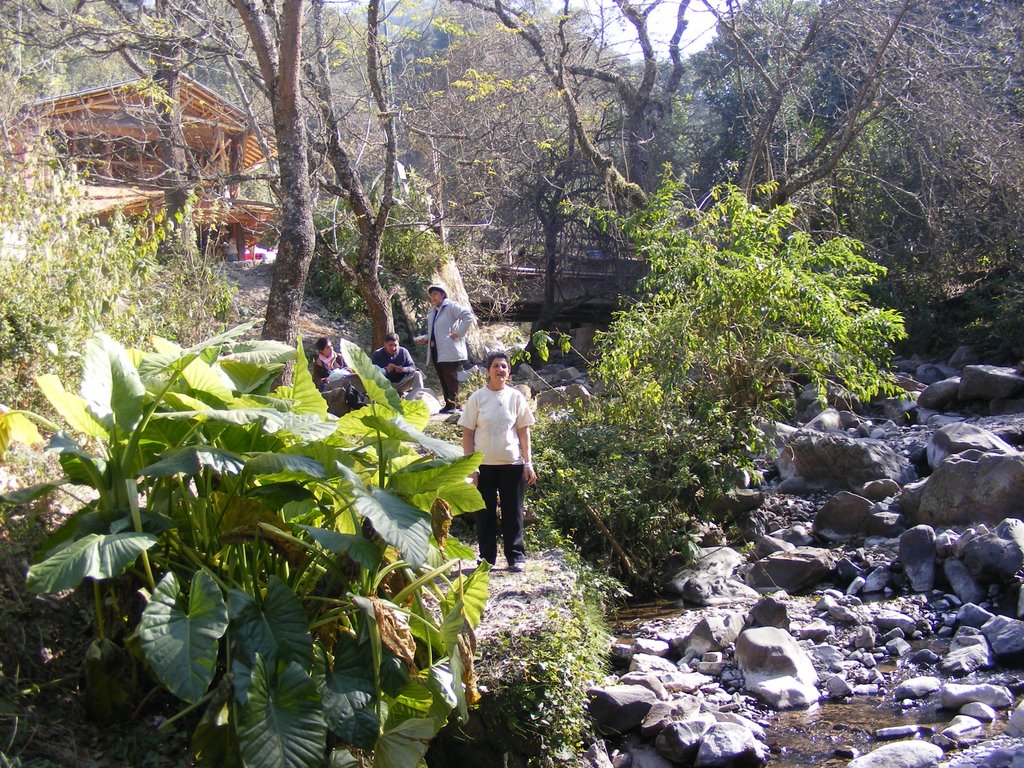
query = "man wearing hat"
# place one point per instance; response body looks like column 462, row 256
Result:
column 447, row 325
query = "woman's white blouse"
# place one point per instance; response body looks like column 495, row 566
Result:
column 494, row 417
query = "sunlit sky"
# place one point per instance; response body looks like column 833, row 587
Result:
column 699, row 30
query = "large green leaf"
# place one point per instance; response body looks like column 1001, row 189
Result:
column 365, row 553
column 400, row 524
column 473, row 592
column 192, row 460
column 247, row 377
column 399, row 429
column 416, row 413
column 73, row 408
column 81, row 467
column 304, row 392
column 281, row 725
column 15, row 427
column 274, row 629
column 92, row 556
column 285, row 467
column 182, row 646
column 462, row 498
column 377, row 387
column 31, row 493
column 404, row 744
column 350, row 696
column 111, row 385
column 208, row 382
column 265, row 352
column 427, row 476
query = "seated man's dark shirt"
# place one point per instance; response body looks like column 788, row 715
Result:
column 381, row 358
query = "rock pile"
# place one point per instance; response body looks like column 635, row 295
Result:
column 908, row 534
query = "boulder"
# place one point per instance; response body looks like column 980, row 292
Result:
column 940, row 395
column 1015, row 726
column 964, row 491
column 989, row 382
column 843, row 517
column 1006, row 638
column 955, row 695
column 714, row 633
column 791, row 571
column 617, row 709
column 968, row 652
column 963, row 355
column 785, row 693
column 963, row 583
column 901, row 754
column 834, row 460
column 1003, row 406
column 879, row 490
column 769, row 652
column 729, row 744
column 768, row 612
column 916, row 688
column 711, row 561
column 917, row 553
column 679, row 741
column 930, row 373
column 957, row 438
column 717, row 590
column 679, row 709
column 998, row 555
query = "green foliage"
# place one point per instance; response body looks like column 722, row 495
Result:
column 283, row 553
column 544, row 678
column 63, row 276
column 738, row 305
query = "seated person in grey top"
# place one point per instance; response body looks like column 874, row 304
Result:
column 398, row 366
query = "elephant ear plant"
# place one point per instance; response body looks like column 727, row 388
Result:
column 295, row 569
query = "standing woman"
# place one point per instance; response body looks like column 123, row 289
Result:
column 496, row 422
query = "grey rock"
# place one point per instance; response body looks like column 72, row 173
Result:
column 618, row 709
column 877, row 579
column 785, row 693
column 887, row 619
column 728, row 744
column 916, row 687
column 886, row 524
column 838, row 687
column 649, row 680
column 979, row 711
column 971, row 615
column 996, row 556
column 957, row 438
column 717, row 590
column 960, row 727
column 596, row 756
column 917, row 553
column 714, row 633
column 1002, row 406
column 1015, row 725
column 768, row 652
column 768, row 612
column 679, row 741
column 989, row 382
column 791, row 571
column 1006, row 638
column 711, row 561
column 968, row 652
column 929, row 373
column 962, row 581
column 768, row 545
column 964, row 491
column 901, row 754
column 940, row 395
column 843, row 517
column 834, row 460
column 899, row 732
column 962, row 356
column 955, row 695
column 877, row 490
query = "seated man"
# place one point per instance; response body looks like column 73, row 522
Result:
column 398, row 365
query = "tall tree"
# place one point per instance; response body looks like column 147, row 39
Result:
column 276, row 37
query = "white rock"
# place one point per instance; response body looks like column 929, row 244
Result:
column 954, row 696
column 900, row 754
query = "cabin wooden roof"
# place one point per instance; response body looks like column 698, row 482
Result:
column 127, row 109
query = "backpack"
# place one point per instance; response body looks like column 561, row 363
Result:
column 355, row 399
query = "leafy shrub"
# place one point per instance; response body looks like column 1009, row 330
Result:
column 63, row 276
column 738, row 305
column 293, row 566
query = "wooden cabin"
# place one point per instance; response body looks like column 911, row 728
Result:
column 112, row 133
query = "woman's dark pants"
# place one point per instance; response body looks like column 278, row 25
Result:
column 504, row 481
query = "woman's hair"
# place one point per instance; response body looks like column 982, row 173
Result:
column 498, row 355
column 321, row 343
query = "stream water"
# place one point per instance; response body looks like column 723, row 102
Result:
column 800, row 738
